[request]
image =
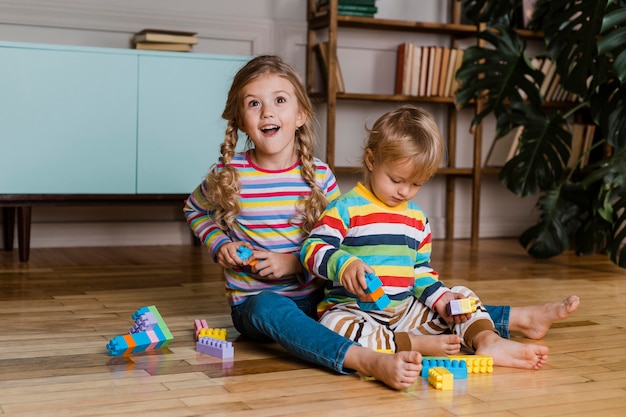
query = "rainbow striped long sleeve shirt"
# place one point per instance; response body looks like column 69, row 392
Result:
column 268, row 220
column 394, row 241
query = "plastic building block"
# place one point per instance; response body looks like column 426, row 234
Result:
column 214, row 347
column 219, row 334
column 198, row 325
column 462, row 306
column 378, row 299
column 244, row 253
column 148, row 332
column 476, row 364
column 458, row 368
column 440, row 378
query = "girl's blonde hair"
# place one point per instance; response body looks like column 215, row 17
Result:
column 406, row 134
column 224, row 185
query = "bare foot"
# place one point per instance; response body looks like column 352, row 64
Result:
column 535, row 321
column 436, row 345
column 509, row 353
column 398, row 370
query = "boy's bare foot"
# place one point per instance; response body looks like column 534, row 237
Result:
column 436, row 345
column 398, row 370
column 535, row 321
column 509, row 353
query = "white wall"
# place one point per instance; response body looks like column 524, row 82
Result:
column 244, row 27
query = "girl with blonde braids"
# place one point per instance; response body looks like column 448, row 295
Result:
column 267, row 198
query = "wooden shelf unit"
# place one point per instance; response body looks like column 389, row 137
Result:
column 331, row 22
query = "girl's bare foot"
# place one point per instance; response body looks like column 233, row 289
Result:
column 509, row 353
column 398, row 370
column 535, row 321
column 436, row 345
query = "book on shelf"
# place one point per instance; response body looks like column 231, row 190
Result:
column 416, row 54
column 157, row 46
column 403, row 68
column 445, row 61
column 504, row 148
column 447, row 89
column 423, row 71
column 350, row 8
column 430, row 72
column 323, row 56
column 435, row 74
column 165, row 36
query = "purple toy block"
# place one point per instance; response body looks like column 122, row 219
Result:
column 215, row 347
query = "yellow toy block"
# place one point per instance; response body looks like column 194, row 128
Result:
column 476, row 364
column 440, row 378
column 461, row 306
column 219, row 334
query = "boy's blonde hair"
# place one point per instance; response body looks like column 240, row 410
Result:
column 224, row 185
column 406, row 134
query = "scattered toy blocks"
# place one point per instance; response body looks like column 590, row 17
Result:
column 458, row 368
column 461, row 306
column 215, row 347
column 148, row 332
column 440, row 378
column 244, row 253
column 378, row 299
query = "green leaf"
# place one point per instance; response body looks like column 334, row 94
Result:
column 489, row 11
column 560, row 212
column 544, row 149
column 499, row 75
column 612, row 42
column 571, row 29
column 608, row 109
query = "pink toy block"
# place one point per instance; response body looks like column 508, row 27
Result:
column 199, row 324
column 214, row 347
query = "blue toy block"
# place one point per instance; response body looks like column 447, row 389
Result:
column 458, row 368
column 380, row 300
column 215, row 347
column 244, row 253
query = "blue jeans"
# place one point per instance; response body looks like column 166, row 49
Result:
column 500, row 316
column 292, row 323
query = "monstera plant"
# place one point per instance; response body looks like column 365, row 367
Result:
column 584, row 209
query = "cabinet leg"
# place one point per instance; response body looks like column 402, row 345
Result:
column 8, row 227
column 23, row 231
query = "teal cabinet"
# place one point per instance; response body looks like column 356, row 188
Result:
column 67, row 121
column 76, row 120
column 180, row 126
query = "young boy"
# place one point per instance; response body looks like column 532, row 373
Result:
column 376, row 228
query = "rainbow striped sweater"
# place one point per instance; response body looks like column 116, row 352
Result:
column 268, row 220
column 394, row 241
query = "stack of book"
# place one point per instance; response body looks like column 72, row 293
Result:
column 164, row 40
column 363, row 8
column 551, row 89
column 427, row 71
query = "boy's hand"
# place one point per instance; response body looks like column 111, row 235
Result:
column 353, row 279
column 441, row 309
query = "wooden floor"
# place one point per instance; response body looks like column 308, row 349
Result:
column 58, row 311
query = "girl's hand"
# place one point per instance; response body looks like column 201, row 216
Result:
column 353, row 279
column 442, row 304
column 227, row 256
column 275, row 265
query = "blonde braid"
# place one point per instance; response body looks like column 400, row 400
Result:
column 224, row 188
column 315, row 204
